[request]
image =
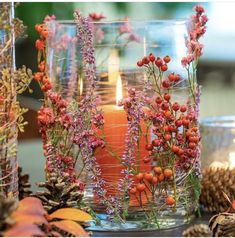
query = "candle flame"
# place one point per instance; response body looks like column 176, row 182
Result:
column 81, row 86
column 232, row 159
column 118, row 90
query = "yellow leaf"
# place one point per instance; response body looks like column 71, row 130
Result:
column 71, row 214
column 70, row 227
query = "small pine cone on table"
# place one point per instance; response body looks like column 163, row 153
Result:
column 223, row 225
column 7, row 207
column 59, row 193
column 23, row 184
column 200, row 230
column 215, row 181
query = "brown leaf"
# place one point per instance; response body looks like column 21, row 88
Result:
column 70, row 227
column 71, row 214
column 24, row 230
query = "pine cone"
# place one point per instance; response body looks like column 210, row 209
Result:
column 23, row 184
column 59, row 193
column 223, row 224
column 7, row 206
column 214, row 181
column 200, row 230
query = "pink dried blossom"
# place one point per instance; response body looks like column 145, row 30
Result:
column 99, row 35
column 49, row 18
column 125, row 27
column 96, row 17
column 133, row 37
column 198, row 29
column 199, row 9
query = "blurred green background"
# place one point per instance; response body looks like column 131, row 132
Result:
column 216, row 71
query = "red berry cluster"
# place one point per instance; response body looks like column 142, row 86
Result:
column 159, row 62
column 41, row 76
column 149, row 182
column 173, row 124
column 174, row 129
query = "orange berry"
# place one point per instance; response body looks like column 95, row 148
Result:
column 192, row 145
column 171, row 77
column 133, row 190
column 45, row 80
column 157, row 170
column 147, row 160
column 167, row 137
column 39, row 44
column 167, row 59
column 139, row 176
column 175, row 148
column 39, row 27
column 140, row 187
column 170, row 201
column 148, row 177
column 154, row 180
column 161, row 177
column 44, row 33
column 164, row 67
column 168, row 173
column 38, row 76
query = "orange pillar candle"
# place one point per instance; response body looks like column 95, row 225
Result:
column 114, row 134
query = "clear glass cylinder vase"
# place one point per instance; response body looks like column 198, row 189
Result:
column 150, row 175
column 8, row 124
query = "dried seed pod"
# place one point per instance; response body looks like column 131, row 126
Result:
column 59, row 193
column 200, row 230
column 23, row 184
column 214, row 183
column 7, row 206
column 223, row 224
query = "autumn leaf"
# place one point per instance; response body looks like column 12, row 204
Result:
column 31, row 205
column 70, row 227
column 71, row 214
column 24, row 230
column 30, row 211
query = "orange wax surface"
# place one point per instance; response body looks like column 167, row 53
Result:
column 115, row 129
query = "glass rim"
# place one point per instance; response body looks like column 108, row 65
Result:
column 219, row 121
column 176, row 21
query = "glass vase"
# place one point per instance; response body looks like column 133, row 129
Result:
column 8, row 125
column 148, row 177
column 218, row 143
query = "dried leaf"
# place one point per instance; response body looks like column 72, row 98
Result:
column 24, row 230
column 71, row 214
column 31, row 205
column 29, row 218
column 70, row 227
column 30, row 210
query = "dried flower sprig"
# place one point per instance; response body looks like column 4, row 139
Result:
column 190, row 61
column 175, row 148
column 12, row 83
column 88, row 105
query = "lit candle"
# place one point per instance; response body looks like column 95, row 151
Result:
column 114, row 133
